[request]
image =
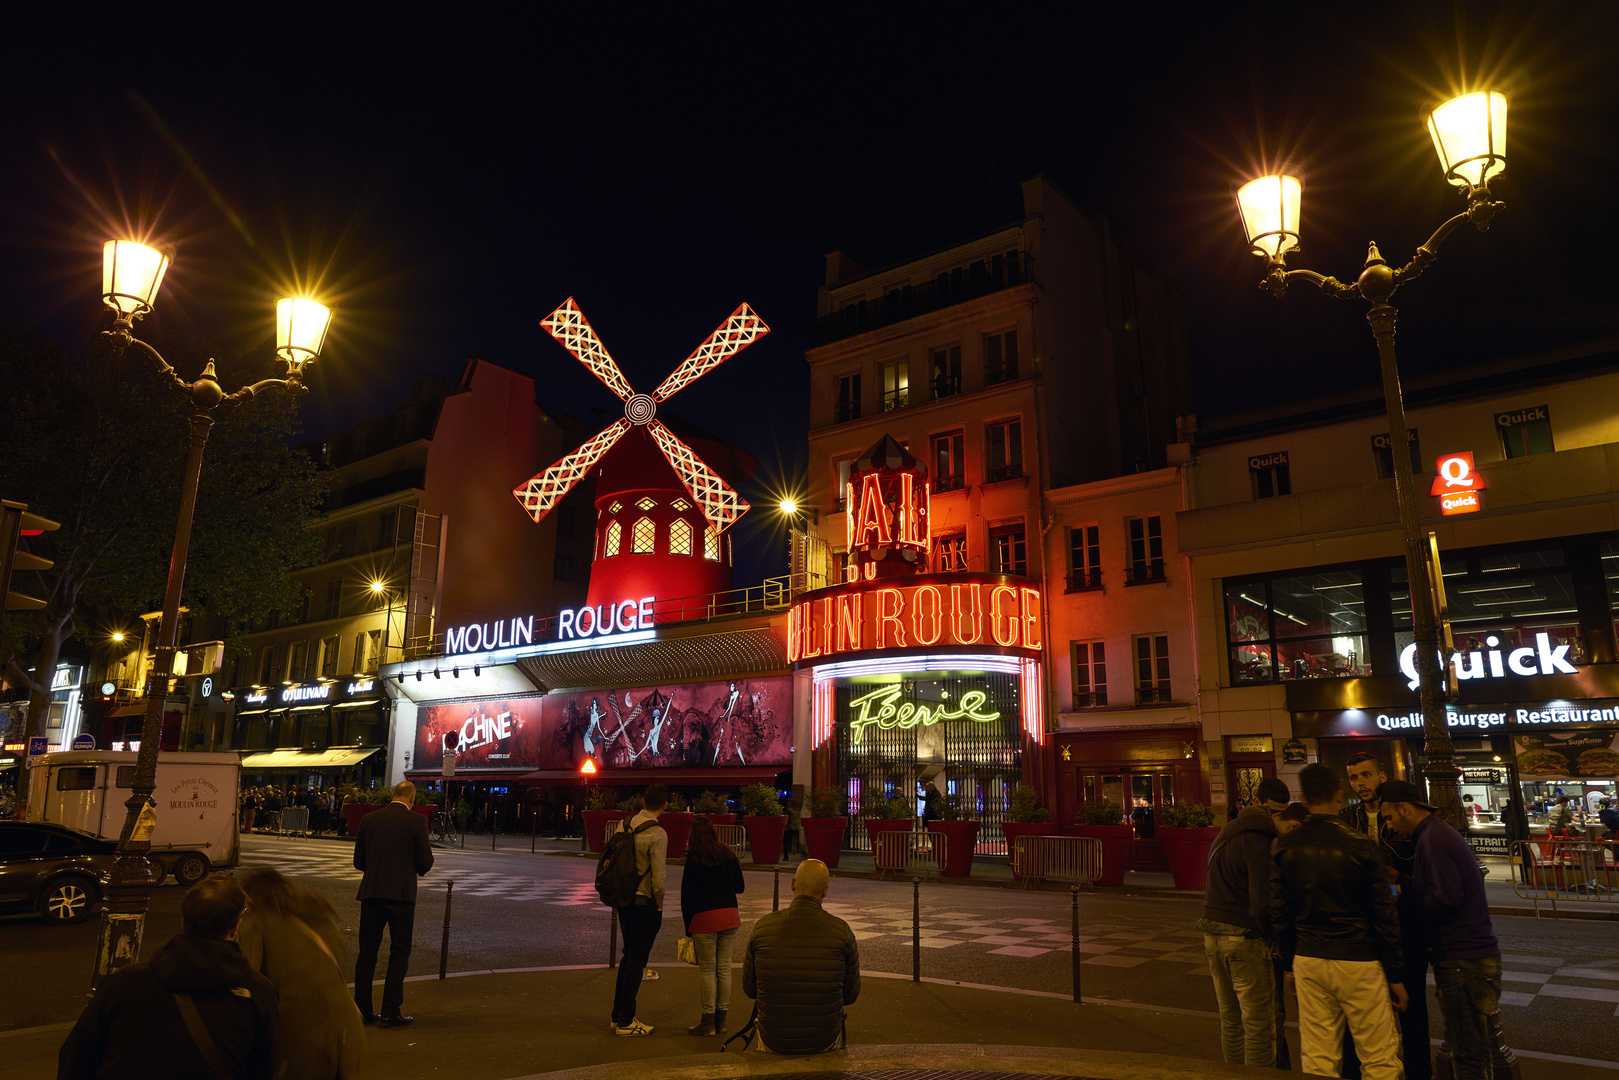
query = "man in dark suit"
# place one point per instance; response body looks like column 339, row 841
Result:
column 391, row 849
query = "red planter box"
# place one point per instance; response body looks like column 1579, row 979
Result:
column 764, row 837
column 1115, row 849
column 823, row 838
column 596, row 827
column 353, row 812
column 1015, row 829
column 1187, row 851
column 677, row 824
column 960, row 837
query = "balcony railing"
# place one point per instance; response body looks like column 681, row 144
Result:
column 1000, row 373
column 947, row 483
column 957, row 286
column 896, row 399
column 1144, row 573
column 1084, row 580
column 845, row 411
column 997, row 473
column 946, row 386
column 1095, row 699
column 1153, row 695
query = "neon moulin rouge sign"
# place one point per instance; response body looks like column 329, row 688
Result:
column 965, row 610
column 599, row 621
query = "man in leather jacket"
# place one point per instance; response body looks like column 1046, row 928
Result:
column 1333, row 915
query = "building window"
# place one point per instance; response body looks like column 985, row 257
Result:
column 567, row 521
column 1269, row 473
column 950, row 553
column 298, row 662
column 334, row 598
column 680, row 537
column 1146, row 550
column 711, row 544
column 1084, row 558
column 367, row 649
column 848, row 407
column 1152, row 669
column 1007, row 542
column 328, row 657
column 385, row 529
column 1088, row 660
column 616, row 507
column 615, row 532
column 680, row 505
column 1000, row 357
column 844, row 466
column 1385, row 456
column 645, row 503
column 948, row 470
column 643, row 537
column 1306, row 626
column 270, row 671
column 1525, row 431
column 946, row 371
column 1005, row 451
column 896, row 386
column 562, row 568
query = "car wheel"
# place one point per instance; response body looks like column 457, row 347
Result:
column 190, row 868
column 67, row 900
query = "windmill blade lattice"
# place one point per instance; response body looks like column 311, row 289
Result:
column 742, row 329
column 546, row 490
column 567, row 324
column 721, row 506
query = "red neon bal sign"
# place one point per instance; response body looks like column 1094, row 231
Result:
column 1457, row 483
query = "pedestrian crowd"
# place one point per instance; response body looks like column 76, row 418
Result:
column 1348, row 906
column 262, row 806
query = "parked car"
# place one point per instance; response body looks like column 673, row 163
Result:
column 57, row 873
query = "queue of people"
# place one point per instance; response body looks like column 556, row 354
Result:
column 262, row 806
column 1346, row 906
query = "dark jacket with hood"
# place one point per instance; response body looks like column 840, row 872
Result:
column 1238, row 889
column 132, row 1028
column 803, row 967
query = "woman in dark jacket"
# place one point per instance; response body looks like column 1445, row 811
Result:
column 708, row 889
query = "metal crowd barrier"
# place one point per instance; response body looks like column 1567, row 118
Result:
column 913, row 852
column 1073, row 860
column 295, row 819
column 1567, row 869
column 733, row 835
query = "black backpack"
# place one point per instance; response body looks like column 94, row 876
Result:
column 616, row 877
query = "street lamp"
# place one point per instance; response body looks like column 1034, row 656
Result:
column 1469, row 133
column 131, row 274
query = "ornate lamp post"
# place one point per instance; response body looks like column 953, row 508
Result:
column 131, row 275
column 1469, row 134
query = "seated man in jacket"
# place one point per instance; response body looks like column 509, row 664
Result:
column 803, row 967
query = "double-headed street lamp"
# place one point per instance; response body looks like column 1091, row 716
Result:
column 131, row 275
column 1470, row 135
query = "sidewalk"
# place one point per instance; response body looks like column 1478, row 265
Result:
column 518, row 1023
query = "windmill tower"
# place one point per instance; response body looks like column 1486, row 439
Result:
column 661, row 511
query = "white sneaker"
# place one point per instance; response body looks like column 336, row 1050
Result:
column 648, row 975
column 634, row 1027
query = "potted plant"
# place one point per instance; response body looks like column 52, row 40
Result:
column 1104, row 821
column 676, row 821
column 1187, row 833
column 960, row 834
column 426, row 803
column 825, row 825
column 1025, row 817
column 360, row 803
column 598, row 812
column 713, row 808
column 764, row 822
column 896, row 814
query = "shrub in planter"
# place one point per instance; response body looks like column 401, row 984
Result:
column 631, row 805
column 1105, row 821
column 825, row 825
column 764, row 822
column 1026, row 808
column 1187, row 833
column 1025, row 817
column 597, row 799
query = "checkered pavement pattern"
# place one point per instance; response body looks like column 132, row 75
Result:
column 1526, row 978
column 1120, row 945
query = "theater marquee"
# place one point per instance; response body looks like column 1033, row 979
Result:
column 942, row 611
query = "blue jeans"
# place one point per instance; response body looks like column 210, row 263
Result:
column 1246, row 991
column 714, row 970
column 1469, row 994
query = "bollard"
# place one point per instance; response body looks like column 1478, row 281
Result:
column 775, row 898
column 444, row 945
column 494, row 831
column 612, row 941
column 1075, row 905
column 916, row 929
column 533, row 831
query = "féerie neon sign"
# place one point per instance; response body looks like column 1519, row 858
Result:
column 879, row 707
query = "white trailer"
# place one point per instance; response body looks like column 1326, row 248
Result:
column 197, row 797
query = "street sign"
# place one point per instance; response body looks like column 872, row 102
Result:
column 84, row 741
column 37, row 745
column 449, row 763
column 208, row 687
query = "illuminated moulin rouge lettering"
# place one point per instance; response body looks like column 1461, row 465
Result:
column 879, row 707
column 484, row 637
column 984, row 613
column 605, row 619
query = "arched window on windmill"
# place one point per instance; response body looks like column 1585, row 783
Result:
column 615, row 532
column 711, row 544
column 680, row 537
column 643, row 537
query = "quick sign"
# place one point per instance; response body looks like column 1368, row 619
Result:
column 1457, row 484
column 946, row 610
column 1522, row 416
column 1543, row 659
column 1267, row 461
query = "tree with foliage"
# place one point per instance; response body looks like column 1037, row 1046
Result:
column 101, row 448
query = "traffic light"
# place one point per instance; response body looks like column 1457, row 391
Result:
column 17, row 522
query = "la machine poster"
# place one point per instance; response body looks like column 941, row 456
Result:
column 736, row 723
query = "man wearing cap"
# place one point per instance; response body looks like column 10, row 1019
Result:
column 1446, row 888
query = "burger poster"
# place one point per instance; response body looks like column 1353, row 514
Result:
column 1592, row 755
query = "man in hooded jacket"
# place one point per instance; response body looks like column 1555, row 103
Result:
column 135, row 1028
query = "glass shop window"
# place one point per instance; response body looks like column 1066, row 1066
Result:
column 1303, row 626
column 1507, row 596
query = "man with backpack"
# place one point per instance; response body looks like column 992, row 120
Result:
column 630, row 878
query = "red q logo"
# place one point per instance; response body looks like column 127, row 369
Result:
column 1455, row 472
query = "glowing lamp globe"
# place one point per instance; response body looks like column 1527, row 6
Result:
column 1470, row 136
column 300, row 329
column 130, row 276
column 1270, row 214
column 788, row 506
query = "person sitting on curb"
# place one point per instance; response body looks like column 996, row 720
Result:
column 803, row 968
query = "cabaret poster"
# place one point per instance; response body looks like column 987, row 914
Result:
column 732, row 723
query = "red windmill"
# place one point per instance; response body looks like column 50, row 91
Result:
column 667, row 559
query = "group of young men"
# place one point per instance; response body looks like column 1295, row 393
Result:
column 1348, row 908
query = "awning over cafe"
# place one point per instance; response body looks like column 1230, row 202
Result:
column 338, row 757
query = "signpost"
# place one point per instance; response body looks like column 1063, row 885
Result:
column 84, row 741
column 37, row 745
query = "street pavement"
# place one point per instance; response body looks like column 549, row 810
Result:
column 1139, row 953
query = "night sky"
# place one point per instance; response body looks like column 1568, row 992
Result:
column 447, row 179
